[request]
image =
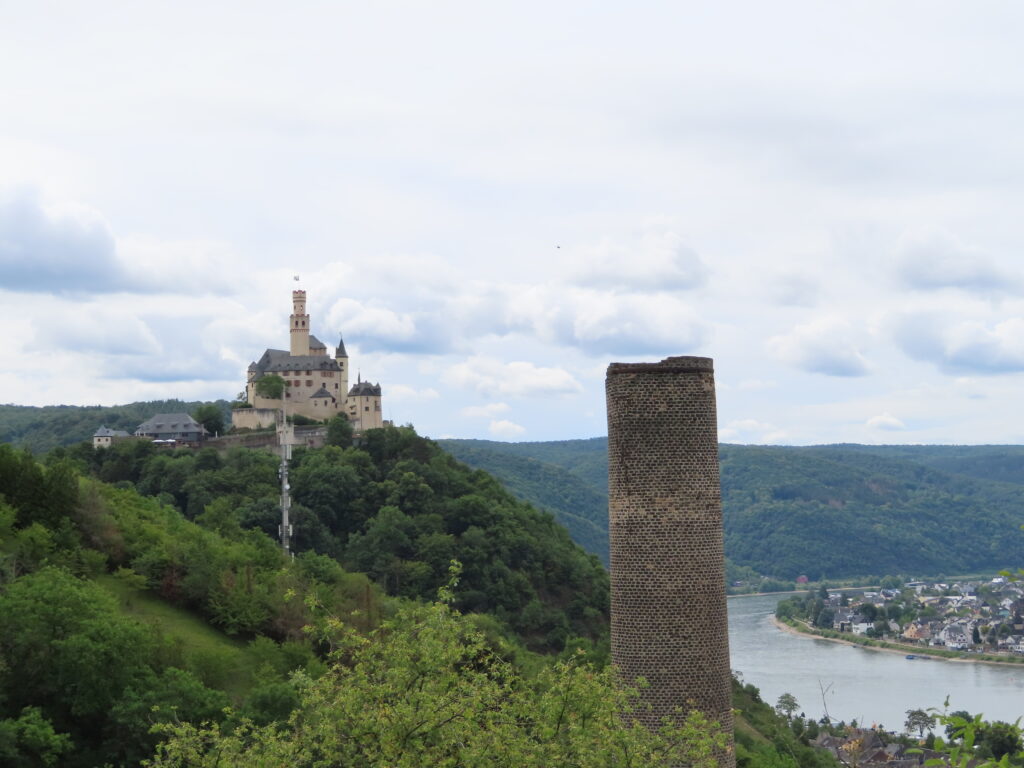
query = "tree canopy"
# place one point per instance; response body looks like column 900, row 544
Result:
column 270, row 386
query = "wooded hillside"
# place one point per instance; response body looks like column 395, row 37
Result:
column 40, row 429
column 824, row 511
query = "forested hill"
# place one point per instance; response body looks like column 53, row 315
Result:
column 832, row 510
column 116, row 562
column 41, row 428
column 142, row 598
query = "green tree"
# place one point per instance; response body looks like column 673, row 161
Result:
column 825, row 618
column 919, row 720
column 30, row 741
column 425, row 689
column 211, row 417
column 998, row 739
column 339, row 431
column 787, row 705
column 270, row 386
column 891, row 582
column 171, row 696
column 977, row 744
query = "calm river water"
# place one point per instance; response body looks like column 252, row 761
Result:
column 871, row 686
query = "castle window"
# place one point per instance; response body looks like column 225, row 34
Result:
column 309, row 382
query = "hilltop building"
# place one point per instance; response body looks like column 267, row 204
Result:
column 316, row 384
column 179, row 427
column 104, row 437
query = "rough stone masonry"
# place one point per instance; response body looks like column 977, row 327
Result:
column 669, row 621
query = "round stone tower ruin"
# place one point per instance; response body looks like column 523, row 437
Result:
column 669, row 622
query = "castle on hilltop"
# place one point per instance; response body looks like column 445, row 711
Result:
column 315, row 384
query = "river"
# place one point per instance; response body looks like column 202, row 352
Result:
column 871, row 686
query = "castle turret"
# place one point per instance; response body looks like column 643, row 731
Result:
column 668, row 617
column 299, row 324
column 364, row 406
column 341, row 358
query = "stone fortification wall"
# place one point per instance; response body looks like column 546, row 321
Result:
column 669, row 622
column 254, row 418
column 311, row 436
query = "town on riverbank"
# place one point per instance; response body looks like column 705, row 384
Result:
column 981, row 620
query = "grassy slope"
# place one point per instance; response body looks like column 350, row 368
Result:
column 200, row 644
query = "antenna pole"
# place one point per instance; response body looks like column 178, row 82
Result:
column 285, row 435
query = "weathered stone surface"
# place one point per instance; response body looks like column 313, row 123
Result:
column 669, row 622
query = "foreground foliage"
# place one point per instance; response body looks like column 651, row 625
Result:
column 425, row 689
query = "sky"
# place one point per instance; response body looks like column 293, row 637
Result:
column 493, row 201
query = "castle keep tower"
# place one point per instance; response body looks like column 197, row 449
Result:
column 669, row 622
column 315, row 385
column 299, row 324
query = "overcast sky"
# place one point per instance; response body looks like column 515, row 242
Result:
column 494, row 201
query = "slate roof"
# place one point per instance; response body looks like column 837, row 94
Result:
column 274, row 360
column 108, row 432
column 364, row 388
column 315, row 343
column 339, row 351
column 164, row 423
column 322, row 392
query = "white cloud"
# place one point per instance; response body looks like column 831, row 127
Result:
column 46, row 247
column 933, row 260
column 433, row 198
column 402, row 393
column 885, row 421
column 180, row 267
column 492, row 377
column 962, row 345
column 505, row 429
column 659, row 261
column 379, row 328
column 488, row 411
column 94, row 328
column 605, row 322
column 794, row 290
column 825, row 345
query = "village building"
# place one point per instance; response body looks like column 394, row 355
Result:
column 104, row 437
column 315, row 383
column 179, row 427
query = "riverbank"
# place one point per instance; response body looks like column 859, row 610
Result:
column 898, row 648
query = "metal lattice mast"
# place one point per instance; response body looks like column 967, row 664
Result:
column 285, row 435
